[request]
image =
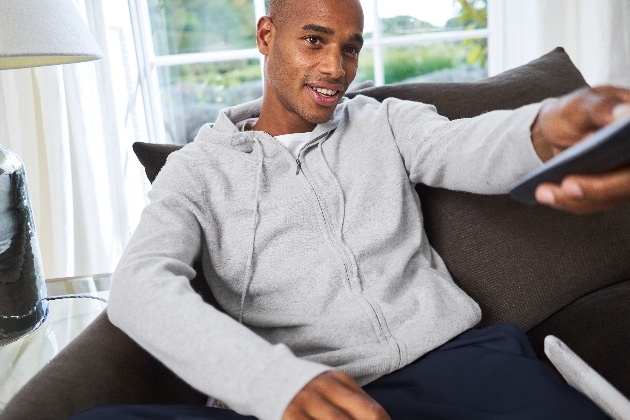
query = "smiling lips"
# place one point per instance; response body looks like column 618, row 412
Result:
column 326, row 92
column 324, row 96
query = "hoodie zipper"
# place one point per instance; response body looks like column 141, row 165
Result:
column 327, row 222
column 297, row 161
column 342, row 256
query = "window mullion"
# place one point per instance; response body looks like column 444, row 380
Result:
column 495, row 37
column 148, row 77
column 204, row 57
column 377, row 47
column 435, row 37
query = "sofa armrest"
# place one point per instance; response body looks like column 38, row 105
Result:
column 101, row 366
column 596, row 328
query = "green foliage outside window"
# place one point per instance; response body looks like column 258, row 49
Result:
column 188, row 26
column 474, row 15
column 403, row 63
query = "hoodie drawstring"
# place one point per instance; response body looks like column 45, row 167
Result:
column 341, row 216
column 249, row 270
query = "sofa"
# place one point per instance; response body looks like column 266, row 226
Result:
column 545, row 270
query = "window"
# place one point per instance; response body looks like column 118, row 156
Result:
column 199, row 56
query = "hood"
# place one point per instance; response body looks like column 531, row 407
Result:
column 225, row 133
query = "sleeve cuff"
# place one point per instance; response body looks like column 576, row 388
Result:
column 276, row 383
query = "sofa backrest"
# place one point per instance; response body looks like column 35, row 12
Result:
column 520, row 263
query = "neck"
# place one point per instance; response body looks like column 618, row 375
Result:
column 277, row 124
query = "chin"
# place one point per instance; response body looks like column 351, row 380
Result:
column 321, row 118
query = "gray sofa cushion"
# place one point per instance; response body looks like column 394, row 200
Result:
column 596, row 328
column 521, row 263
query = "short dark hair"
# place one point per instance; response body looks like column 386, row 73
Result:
column 280, row 10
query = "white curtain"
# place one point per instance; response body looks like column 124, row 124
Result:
column 73, row 129
column 595, row 34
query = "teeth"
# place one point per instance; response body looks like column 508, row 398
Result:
column 326, row 92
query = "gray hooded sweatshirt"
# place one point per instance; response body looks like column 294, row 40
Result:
column 318, row 263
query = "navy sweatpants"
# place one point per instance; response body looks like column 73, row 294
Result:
column 489, row 373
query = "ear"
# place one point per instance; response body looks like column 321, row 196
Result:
column 265, row 31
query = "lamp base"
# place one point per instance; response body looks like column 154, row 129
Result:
column 23, row 304
column 14, row 327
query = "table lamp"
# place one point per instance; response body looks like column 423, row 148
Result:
column 32, row 33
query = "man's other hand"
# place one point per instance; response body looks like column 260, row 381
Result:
column 334, row 395
column 563, row 122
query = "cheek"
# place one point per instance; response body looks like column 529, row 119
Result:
column 289, row 67
column 350, row 71
column 280, row 73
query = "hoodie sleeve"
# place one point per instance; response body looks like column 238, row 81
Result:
column 152, row 301
column 485, row 154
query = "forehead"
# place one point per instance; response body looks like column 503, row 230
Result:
column 338, row 15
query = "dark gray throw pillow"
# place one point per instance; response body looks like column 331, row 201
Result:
column 153, row 156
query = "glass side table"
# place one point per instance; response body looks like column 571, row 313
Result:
column 22, row 358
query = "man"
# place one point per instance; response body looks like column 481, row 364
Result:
column 301, row 206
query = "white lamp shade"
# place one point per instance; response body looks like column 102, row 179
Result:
column 42, row 33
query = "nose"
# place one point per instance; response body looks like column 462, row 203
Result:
column 331, row 63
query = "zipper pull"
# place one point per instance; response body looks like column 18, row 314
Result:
column 299, row 166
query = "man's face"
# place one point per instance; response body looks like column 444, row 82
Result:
column 311, row 58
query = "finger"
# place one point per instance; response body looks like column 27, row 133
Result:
column 622, row 93
column 353, row 400
column 612, row 187
column 581, row 113
column 334, row 395
column 583, row 194
column 611, row 103
column 312, row 403
column 588, row 110
column 621, row 111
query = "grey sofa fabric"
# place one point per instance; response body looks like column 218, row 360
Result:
column 595, row 326
column 549, row 272
column 522, row 263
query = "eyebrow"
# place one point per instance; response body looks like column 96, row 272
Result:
column 324, row 30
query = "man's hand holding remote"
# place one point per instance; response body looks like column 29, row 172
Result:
column 565, row 121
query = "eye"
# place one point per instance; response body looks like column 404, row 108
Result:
column 352, row 50
column 312, row 39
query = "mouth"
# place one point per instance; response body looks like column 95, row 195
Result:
column 326, row 96
column 329, row 93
